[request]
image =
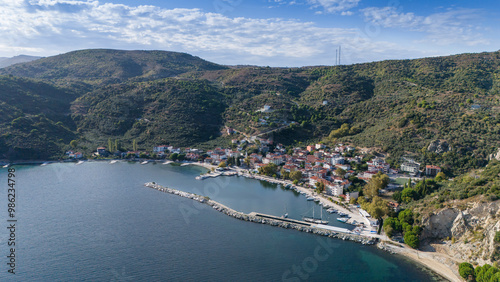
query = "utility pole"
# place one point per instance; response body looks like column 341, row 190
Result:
column 339, row 53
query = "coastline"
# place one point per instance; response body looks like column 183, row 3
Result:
column 441, row 264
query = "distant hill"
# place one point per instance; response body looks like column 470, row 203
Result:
column 102, row 66
column 5, row 62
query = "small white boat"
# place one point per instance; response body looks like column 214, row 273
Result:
column 310, row 198
column 344, row 220
column 79, row 162
column 168, row 162
column 113, row 162
column 45, row 163
column 6, row 166
column 144, row 162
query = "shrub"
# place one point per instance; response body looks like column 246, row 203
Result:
column 465, row 269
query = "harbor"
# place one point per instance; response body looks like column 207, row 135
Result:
column 323, row 230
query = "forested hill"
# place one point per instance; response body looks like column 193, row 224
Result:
column 102, row 66
column 397, row 106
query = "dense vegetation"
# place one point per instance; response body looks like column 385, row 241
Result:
column 485, row 273
column 399, row 107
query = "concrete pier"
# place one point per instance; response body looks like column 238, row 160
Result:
column 323, row 230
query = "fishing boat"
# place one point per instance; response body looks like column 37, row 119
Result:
column 332, row 210
column 315, row 219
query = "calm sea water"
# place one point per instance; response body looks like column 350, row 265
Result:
column 97, row 222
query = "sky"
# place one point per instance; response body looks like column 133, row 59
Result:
column 277, row 33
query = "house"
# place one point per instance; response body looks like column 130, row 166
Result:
column 338, row 160
column 394, row 205
column 432, row 170
column 160, row 149
column 411, row 167
column 335, row 190
column 101, row 151
column 320, row 146
column 309, row 148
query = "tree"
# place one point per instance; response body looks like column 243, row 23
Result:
column 320, row 187
column 181, row 157
column 284, row 174
column 340, row 172
column 296, row 175
column 497, row 237
column 465, row 269
column 117, row 145
column 247, row 161
column 269, row 169
column 238, row 162
column 406, row 216
column 383, row 178
column 411, row 239
column 397, row 196
column 134, row 145
column 408, row 195
column 490, row 273
column 377, row 208
column 440, row 176
column 389, row 231
column 222, row 164
column 174, row 156
column 73, row 144
column 110, row 145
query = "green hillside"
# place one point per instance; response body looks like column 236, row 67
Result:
column 167, row 111
column 34, row 118
column 398, row 107
column 103, row 66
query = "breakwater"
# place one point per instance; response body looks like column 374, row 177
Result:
column 265, row 219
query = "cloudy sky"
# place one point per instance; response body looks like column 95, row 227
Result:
column 256, row 32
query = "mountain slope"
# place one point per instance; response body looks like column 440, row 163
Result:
column 398, row 107
column 102, row 66
column 34, row 118
column 166, row 111
column 5, row 62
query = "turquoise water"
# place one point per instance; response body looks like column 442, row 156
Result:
column 97, row 222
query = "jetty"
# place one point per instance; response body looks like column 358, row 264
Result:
column 323, row 230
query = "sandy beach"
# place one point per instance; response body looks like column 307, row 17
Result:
column 442, row 264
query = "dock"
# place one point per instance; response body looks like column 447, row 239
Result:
column 323, row 230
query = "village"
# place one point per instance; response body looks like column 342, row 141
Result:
column 335, row 174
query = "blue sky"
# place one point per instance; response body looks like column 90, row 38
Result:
column 261, row 32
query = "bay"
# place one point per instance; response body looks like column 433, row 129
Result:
column 97, row 222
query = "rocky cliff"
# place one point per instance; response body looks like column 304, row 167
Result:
column 465, row 231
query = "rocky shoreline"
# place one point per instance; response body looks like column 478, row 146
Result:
column 263, row 220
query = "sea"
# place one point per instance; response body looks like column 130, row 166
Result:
column 96, row 221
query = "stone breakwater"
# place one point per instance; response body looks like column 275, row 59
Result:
column 264, row 219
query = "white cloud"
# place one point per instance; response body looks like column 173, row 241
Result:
column 451, row 27
column 48, row 27
column 335, row 6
